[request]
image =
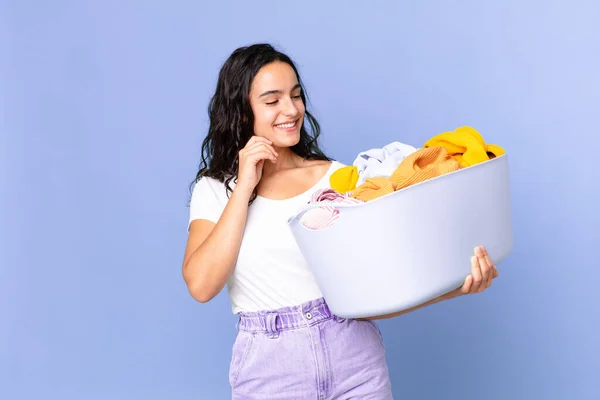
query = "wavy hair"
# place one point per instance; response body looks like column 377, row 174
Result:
column 232, row 120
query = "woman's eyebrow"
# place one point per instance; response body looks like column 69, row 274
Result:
column 268, row 92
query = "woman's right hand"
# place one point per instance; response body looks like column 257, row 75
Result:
column 251, row 160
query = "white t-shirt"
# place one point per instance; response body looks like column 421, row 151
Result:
column 270, row 272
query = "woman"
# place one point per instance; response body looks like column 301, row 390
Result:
column 260, row 164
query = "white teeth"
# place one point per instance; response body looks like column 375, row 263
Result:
column 290, row 125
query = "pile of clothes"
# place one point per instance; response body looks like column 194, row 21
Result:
column 378, row 172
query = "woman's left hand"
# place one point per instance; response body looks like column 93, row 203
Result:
column 483, row 271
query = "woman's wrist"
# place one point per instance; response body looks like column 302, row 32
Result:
column 242, row 192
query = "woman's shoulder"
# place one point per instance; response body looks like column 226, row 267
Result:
column 323, row 168
column 335, row 164
column 210, row 185
column 326, row 164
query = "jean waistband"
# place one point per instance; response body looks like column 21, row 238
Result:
column 288, row 318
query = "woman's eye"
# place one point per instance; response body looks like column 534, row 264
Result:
column 272, row 103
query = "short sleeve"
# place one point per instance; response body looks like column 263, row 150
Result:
column 207, row 200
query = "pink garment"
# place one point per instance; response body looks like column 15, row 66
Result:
column 322, row 217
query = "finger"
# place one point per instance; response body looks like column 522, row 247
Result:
column 490, row 263
column 490, row 266
column 476, row 272
column 466, row 287
column 259, row 148
column 262, row 145
column 257, row 139
column 253, row 141
column 484, row 268
column 261, row 154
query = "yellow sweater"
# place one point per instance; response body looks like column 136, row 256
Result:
column 466, row 145
column 419, row 166
column 344, row 179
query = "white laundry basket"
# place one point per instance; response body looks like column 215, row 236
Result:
column 408, row 247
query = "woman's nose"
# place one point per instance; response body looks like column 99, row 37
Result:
column 290, row 108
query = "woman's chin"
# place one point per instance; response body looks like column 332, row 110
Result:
column 288, row 140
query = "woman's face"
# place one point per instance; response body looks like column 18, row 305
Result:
column 276, row 104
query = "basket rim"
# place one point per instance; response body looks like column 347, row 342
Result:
column 403, row 190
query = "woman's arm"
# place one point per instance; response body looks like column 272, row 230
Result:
column 212, row 249
column 396, row 314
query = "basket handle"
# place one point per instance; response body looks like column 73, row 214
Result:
column 319, row 204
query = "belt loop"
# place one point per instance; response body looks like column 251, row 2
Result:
column 271, row 322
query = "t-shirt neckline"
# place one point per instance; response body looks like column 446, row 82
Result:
column 311, row 189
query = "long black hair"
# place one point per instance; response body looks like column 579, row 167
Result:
column 232, row 120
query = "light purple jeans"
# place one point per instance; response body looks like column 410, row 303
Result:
column 305, row 352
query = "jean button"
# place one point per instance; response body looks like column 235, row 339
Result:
column 308, row 315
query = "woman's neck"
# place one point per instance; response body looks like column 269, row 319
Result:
column 287, row 159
